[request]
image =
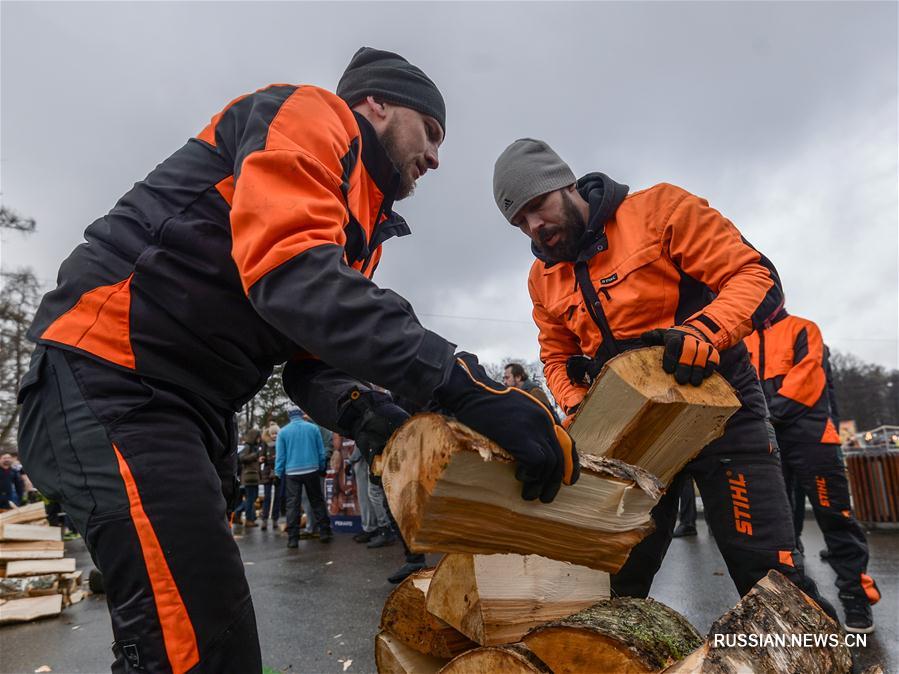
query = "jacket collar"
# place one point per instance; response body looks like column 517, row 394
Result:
column 604, row 196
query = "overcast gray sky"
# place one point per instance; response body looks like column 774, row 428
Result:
column 783, row 115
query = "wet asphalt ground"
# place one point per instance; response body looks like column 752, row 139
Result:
column 318, row 607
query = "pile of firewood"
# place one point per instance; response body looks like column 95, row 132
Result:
column 35, row 579
column 524, row 586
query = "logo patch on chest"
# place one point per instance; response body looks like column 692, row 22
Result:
column 608, row 279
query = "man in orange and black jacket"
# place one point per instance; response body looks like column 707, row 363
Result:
column 252, row 245
column 618, row 271
column 790, row 358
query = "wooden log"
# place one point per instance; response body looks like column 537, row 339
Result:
column 453, row 490
column 29, row 513
column 623, row 635
column 508, row 659
column 28, row 586
column 768, row 618
column 29, row 532
column 637, row 413
column 30, row 608
column 496, row 599
column 392, row 656
column 406, row 618
column 31, row 550
column 31, row 567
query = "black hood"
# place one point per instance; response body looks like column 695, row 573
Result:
column 604, row 196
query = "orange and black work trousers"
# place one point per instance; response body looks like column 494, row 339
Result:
column 746, row 508
column 144, row 469
column 819, row 470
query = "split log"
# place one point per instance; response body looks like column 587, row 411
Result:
column 768, row 618
column 28, row 586
column 30, row 567
column 406, row 618
column 453, row 490
column 508, row 659
column 29, row 532
column 624, row 635
column 637, row 413
column 31, row 550
column 392, row 656
column 30, row 608
column 72, row 598
column 29, row 513
column 496, row 599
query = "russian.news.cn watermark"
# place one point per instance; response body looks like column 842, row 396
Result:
column 752, row 640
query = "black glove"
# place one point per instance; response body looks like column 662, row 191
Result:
column 582, row 370
column 371, row 417
column 516, row 421
column 689, row 356
column 277, row 480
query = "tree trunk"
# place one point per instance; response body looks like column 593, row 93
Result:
column 496, row 599
column 623, row 635
column 508, row 659
column 637, row 413
column 453, row 490
column 406, row 618
column 773, row 610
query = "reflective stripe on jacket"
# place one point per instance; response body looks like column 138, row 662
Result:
column 278, row 210
column 789, row 356
column 670, row 259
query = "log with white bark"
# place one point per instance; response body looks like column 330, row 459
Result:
column 770, row 615
column 392, row 656
column 496, row 599
column 637, row 413
column 508, row 659
column 32, row 567
column 31, row 550
column 29, row 532
column 406, row 618
column 451, row 489
column 623, row 635
column 28, row 586
column 30, row 608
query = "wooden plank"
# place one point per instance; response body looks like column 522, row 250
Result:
column 406, row 618
column 622, row 635
column 29, row 567
column 31, row 608
column 392, row 656
column 29, row 532
column 453, row 490
column 637, row 413
column 28, row 513
column 496, row 599
column 31, row 550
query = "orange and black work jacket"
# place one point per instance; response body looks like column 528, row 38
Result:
column 253, row 243
column 652, row 259
column 791, row 360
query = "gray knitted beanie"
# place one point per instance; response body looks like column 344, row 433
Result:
column 373, row 72
column 527, row 169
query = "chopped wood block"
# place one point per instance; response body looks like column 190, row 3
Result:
column 508, row 659
column 31, row 567
column 70, row 598
column 623, row 635
column 31, row 550
column 30, row 608
column 29, row 513
column 637, row 413
column 29, row 532
column 407, row 619
column 496, row 599
column 392, row 656
column 775, row 609
column 453, row 490
column 25, row 586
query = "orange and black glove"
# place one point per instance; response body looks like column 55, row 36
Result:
column 689, row 356
column 545, row 454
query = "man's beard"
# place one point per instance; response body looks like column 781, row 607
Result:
column 571, row 229
column 391, row 146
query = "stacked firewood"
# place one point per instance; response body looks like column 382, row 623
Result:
column 36, row 580
column 524, row 587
